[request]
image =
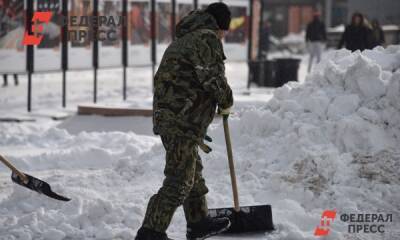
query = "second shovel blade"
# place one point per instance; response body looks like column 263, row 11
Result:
column 37, row 185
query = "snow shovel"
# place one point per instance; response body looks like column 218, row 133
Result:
column 30, row 182
column 243, row 219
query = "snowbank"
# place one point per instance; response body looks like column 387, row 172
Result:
column 336, row 136
column 330, row 143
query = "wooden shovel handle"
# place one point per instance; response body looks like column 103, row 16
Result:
column 231, row 163
column 14, row 169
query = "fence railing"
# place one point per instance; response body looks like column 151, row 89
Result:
column 127, row 33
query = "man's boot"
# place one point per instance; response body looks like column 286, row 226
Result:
column 207, row 227
column 148, row 234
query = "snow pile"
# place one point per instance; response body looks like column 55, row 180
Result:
column 330, row 143
column 336, row 136
column 104, row 204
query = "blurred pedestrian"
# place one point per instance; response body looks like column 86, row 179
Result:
column 370, row 37
column 5, row 80
column 315, row 39
column 264, row 40
column 378, row 37
column 356, row 35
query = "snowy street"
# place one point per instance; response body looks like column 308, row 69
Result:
column 330, row 142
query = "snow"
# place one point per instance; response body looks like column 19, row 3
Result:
column 338, row 28
column 294, row 38
column 330, row 142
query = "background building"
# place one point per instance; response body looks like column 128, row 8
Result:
column 289, row 16
column 292, row 16
column 386, row 11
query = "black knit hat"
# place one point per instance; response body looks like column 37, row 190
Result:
column 221, row 13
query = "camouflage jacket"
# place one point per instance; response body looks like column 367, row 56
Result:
column 190, row 82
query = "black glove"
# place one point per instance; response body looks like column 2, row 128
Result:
column 207, row 138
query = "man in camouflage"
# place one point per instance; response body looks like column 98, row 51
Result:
column 189, row 85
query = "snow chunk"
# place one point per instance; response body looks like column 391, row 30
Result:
column 363, row 78
column 343, row 106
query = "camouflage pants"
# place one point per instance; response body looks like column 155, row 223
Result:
column 183, row 185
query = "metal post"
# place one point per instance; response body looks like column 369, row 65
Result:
column 153, row 38
column 260, row 29
column 124, row 85
column 64, row 52
column 95, row 85
column 328, row 13
column 29, row 55
column 124, row 46
column 173, row 18
column 250, row 41
column 29, row 91
column 195, row 4
column 64, row 87
column 95, row 49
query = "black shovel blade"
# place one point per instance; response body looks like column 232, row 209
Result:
column 248, row 219
column 37, row 185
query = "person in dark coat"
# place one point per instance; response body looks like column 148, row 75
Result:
column 189, row 86
column 378, row 37
column 356, row 35
column 315, row 39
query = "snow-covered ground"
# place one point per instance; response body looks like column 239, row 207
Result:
column 329, row 142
